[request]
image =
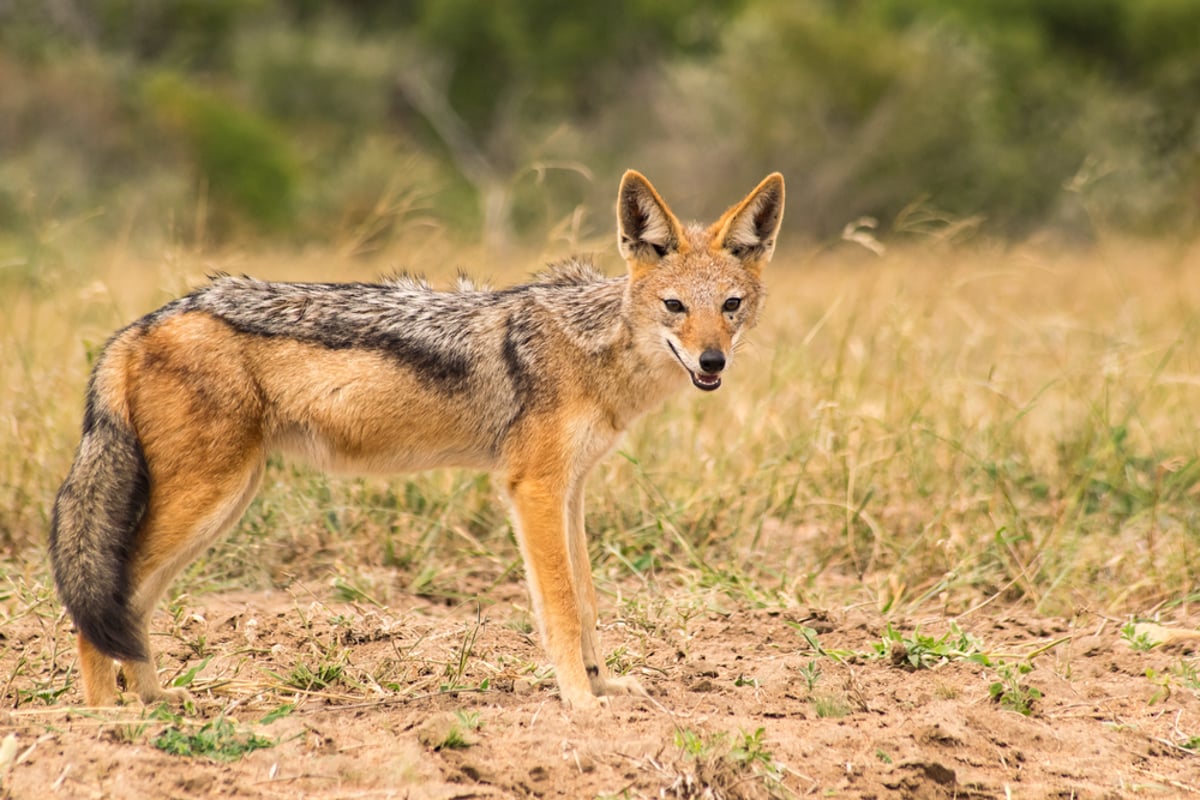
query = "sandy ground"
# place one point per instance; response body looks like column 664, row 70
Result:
column 742, row 706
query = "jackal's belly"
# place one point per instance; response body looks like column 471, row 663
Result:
column 366, row 412
column 386, row 452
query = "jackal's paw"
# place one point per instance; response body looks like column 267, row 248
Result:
column 582, row 700
column 626, row 685
column 174, row 697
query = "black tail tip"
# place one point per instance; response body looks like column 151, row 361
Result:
column 115, row 638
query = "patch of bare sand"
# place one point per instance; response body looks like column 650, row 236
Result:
column 841, row 721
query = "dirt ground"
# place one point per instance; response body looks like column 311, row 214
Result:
column 428, row 700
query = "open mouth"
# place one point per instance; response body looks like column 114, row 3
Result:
column 701, row 380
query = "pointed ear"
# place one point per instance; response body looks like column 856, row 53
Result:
column 748, row 230
column 647, row 231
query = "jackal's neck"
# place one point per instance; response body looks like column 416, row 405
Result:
column 613, row 362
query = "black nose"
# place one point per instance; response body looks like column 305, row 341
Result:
column 712, row 361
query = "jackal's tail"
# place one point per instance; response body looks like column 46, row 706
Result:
column 96, row 514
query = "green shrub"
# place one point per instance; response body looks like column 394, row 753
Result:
column 245, row 165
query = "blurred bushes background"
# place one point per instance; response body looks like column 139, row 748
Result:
column 298, row 120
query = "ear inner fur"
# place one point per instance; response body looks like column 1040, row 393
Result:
column 647, row 231
column 748, row 229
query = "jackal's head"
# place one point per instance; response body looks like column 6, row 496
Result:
column 694, row 290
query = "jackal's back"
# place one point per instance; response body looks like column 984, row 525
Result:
column 389, row 376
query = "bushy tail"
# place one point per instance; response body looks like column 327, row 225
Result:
column 96, row 514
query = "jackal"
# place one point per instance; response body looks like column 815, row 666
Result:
column 534, row 382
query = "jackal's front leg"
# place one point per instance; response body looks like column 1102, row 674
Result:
column 593, row 656
column 541, row 511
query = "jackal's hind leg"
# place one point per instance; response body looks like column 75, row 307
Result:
column 183, row 520
column 98, row 674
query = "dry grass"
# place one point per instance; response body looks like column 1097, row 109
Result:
column 927, row 430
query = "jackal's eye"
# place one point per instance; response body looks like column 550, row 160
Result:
column 673, row 305
column 732, row 304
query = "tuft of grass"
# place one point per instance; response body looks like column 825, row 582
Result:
column 456, row 668
column 311, row 679
column 723, row 765
column 929, row 431
column 446, row 731
column 459, row 735
column 830, row 704
column 878, row 420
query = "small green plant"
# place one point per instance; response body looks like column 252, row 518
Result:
column 456, row 669
column 1162, row 683
column 458, row 736
column 1011, row 692
column 619, row 661
column 722, row 762
column 131, row 733
column 751, row 752
column 351, row 593
column 810, row 637
column 1138, row 641
column 919, row 651
column 279, row 712
column 811, row 673
column 445, row 731
column 1186, row 675
column 219, row 740
column 46, row 692
column 1182, row 674
column 186, row 679
column 690, row 742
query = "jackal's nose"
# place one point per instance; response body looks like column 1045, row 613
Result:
column 712, row 361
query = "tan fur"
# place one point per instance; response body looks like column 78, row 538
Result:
column 536, row 384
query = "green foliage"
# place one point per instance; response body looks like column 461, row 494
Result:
column 920, row 651
column 309, row 679
column 830, row 704
column 1113, row 478
column 1138, row 641
column 458, row 736
column 279, row 712
column 723, row 761
column 219, row 740
column 240, row 158
column 558, row 63
column 185, row 680
column 989, row 108
column 810, row 673
column 1010, row 689
column 927, row 114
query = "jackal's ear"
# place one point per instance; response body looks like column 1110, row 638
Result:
column 647, row 231
column 748, row 230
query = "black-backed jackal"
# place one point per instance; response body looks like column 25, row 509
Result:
column 535, row 382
